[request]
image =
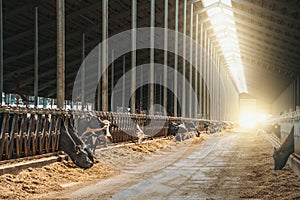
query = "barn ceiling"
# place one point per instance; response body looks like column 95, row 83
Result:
column 267, row 32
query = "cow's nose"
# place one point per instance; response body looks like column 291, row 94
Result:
column 109, row 137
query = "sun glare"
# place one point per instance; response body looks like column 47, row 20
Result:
column 222, row 20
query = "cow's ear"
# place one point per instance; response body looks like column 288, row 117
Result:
column 78, row 149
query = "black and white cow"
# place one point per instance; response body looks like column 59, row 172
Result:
column 180, row 131
column 71, row 144
column 214, row 127
column 192, row 128
column 282, row 154
column 93, row 131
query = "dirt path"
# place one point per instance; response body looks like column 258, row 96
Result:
column 232, row 166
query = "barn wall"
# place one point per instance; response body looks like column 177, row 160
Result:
column 288, row 100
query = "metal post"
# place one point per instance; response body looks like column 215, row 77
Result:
column 183, row 110
column 204, row 76
column 201, row 70
column 208, row 101
column 152, row 24
column 112, row 78
column 165, row 94
column 141, row 89
column 214, row 74
column 104, row 56
column 219, row 92
column 298, row 91
column 196, row 68
column 176, row 59
column 133, row 58
column 208, row 79
column 36, row 57
column 123, row 85
column 83, row 103
column 212, row 82
column 1, row 52
column 191, row 64
column 60, row 9
column 99, row 80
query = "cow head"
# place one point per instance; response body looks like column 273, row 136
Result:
column 81, row 157
column 280, row 159
column 108, row 128
column 72, row 145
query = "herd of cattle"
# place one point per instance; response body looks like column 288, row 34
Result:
column 79, row 138
column 80, row 143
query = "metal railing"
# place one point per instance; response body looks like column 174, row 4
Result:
column 33, row 131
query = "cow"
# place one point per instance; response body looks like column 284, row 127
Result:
column 173, row 128
column 282, row 154
column 139, row 133
column 71, row 144
column 214, row 127
column 180, row 131
column 93, row 131
column 192, row 128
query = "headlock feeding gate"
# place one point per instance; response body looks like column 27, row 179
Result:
column 32, row 131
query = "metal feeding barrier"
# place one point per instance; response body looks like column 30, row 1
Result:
column 285, row 124
column 34, row 131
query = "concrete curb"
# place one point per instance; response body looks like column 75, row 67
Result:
column 34, row 161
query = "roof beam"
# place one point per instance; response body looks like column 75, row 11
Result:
column 260, row 29
column 22, row 9
column 268, row 59
column 277, row 45
column 244, row 13
column 265, row 11
column 257, row 62
column 52, row 23
column 268, row 49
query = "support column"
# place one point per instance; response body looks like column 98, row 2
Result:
column 165, row 93
column 196, row 68
column 176, row 59
column 36, row 57
column 60, row 12
column 124, row 106
column 191, row 64
column 205, row 76
column 133, row 59
column 99, row 79
column 83, row 103
column 208, row 100
column 201, row 71
column 1, row 51
column 212, row 83
column 152, row 24
column 183, row 109
column 104, row 56
column 112, row 79
column 298, row 91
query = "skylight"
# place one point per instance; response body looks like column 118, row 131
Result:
column 223, row 24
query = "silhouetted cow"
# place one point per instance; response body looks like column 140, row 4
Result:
column 71, row 144
column 282, row 154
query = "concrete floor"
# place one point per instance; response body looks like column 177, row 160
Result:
column 231, row 166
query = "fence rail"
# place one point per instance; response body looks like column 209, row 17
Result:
column 33, row 131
